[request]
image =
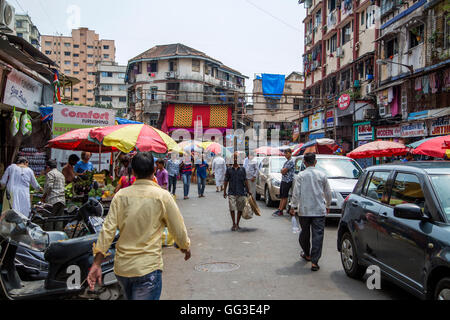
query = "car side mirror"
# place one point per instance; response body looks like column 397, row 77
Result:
column 408, row 211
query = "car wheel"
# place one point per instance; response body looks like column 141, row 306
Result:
column 443, row 290
column 349, row 258
column 267, row 198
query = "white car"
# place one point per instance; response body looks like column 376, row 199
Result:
column 342, row 173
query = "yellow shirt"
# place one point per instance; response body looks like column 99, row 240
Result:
column 141, row 212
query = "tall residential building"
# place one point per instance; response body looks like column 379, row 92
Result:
column 180, row 74
column 78, row 56
column 339, row 67
column 27, row 30
column 267, row 113
column 110, row 85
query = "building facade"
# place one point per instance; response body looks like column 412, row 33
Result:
column 179, row 74
column 27, row 30
column 110, row 85
column 78, row 56
column 281, row 114
column 414, row 70
column 339, row 67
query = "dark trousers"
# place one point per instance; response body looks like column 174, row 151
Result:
column 201, row 183
column 172, row 184
column 311, row 237
column 57, row 211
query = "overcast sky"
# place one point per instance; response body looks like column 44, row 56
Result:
column 251, row 36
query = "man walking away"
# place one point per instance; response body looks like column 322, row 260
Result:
column 287, row 172
column 201, row 169
column 186, row 174
column 173, row 167
column 54, row 193
column 252, row 174
column 140, row 213
column 219, row 168
column 236, row 179
column 312, row 196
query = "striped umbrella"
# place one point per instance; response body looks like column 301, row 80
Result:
column 438, row 147
column 139, row 137
column 78, row 140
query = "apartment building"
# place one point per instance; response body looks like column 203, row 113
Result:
column 78, row 56
column 414, row 70
column 179, row 75
column 281, row 114
column 339, row 67
column 27, row 30
column 110, row 85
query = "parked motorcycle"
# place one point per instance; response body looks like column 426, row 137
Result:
column 69, row 262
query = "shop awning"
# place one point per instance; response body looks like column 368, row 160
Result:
column 391, row 84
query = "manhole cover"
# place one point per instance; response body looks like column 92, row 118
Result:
column 217, row 267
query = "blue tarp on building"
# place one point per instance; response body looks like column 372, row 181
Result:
column 125, row 121
column 273, row 85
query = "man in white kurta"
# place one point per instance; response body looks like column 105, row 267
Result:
column 17, row 179
column 219, row 169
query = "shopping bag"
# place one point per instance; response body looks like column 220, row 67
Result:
column 295, row 226
column 167, row 239
column 254, row 205
column 247, row 213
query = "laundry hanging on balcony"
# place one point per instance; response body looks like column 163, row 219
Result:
column 273, row 85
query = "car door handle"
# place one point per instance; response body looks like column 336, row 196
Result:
column 384, row 214
column 355, row 203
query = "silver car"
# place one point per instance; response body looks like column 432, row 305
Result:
column 342, row 173
column 268, row 182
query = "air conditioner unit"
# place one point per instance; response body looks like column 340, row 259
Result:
column 7, row 17
column 170, row 75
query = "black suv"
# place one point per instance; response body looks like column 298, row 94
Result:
column 398, row 218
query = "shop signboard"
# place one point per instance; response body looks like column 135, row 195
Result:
column 68, row 118
column 316, row 121
column 440, row 127
column 364, row 132
column 22, row 91
column 389, row 132
column 417, row 129
column 305, row 124
column 344, row 102
column 330, row 118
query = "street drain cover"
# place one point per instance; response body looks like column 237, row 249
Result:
column 217, row 267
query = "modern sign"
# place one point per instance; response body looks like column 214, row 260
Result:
column 389, row 132
column 440, row 127
column 344, row 102
column 417, row 129
column 68, row 118
column 22, row 91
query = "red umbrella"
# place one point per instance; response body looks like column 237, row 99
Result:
column 438, row 147
column 268, row 151
column 379, row 149
column 78, row 140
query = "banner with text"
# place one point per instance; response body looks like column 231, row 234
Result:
column 440, row 127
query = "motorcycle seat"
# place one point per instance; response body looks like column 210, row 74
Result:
column 61, row 252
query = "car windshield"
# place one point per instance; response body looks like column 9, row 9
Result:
column 339, row 168
column 276, row 164
column 440, row 184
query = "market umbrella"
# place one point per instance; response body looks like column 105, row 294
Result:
column 438, row 147
column 379, row 149
column 139, row 137
column 268, row 151
column 418, row 143
column 189, row 146
column 78, row 140
column 320, row 146
column 297, row 150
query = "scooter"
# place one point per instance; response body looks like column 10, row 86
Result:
column 87, row 220
column 69, row 262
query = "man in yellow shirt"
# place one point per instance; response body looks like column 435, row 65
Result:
column 140, row 213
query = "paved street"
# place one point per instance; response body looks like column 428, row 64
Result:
column 268, row 255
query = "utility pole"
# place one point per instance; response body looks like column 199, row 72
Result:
column 235, row 118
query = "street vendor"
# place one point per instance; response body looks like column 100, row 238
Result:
column 54, row 193
column 68, row 170
column 84, row 165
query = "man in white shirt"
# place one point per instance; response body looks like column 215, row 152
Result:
column 252, row 173
column 219, row 169
column 312, row 196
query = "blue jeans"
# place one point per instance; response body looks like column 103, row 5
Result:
column 187, row 184
column 201, row 185
column 172, row 184
column 147, row 287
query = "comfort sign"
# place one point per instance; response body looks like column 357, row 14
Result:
column 68, row 118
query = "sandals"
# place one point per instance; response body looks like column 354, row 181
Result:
column 315, row 268
column 303, row 255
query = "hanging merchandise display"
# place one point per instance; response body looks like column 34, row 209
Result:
column 26, row 125
column 56, row 83
column 15, row 122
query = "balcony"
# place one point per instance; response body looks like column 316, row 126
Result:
column 331, row 20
